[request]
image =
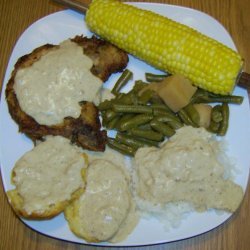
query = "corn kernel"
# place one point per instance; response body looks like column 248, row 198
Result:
column 166, row 44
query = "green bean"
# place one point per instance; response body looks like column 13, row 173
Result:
column 122, row 81
column 193, row 114
column 166, row 117
column 175, row 124
column 155, row 77
column 233, row 99
column 160, row 112
column 161, row 106
column 139, row 85
column 109, row 115
column 198, row 95
column 123, row 119
column 107, row 104
column 135, row 121
column 185, row 118
column 147, row 141
column 203, row 96
column 122, row 148
column 216, row 114
column 145, row 96
column 214, row 127
column 162, row 128
column 148, row 134
column 132, row 108
column 224, row 123
column 223, row 99
column 113, row 123
column 125, row 99
column 104, row 121
column 130, row 141
column 163, row 118
column 122, row 98
column 119, row 95
column 145, row 126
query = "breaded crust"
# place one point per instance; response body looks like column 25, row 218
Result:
column 85, row 130
column 106, row 57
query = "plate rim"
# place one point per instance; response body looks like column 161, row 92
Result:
column 2, row 99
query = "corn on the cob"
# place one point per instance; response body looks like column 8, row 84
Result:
column 166, row 44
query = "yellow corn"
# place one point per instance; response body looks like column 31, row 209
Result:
column 166, row 44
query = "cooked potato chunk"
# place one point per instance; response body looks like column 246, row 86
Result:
column 176, row 91
column 204, row 111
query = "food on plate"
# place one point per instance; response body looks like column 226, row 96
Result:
column 122, row 81
column 92, row 188
column 219, row 119
column 176, row 91
column 150, row 77
column 56, row 92
column 47, row 178
column 166, row 44
column 205, row 113
column 106, row 210
column 109, row 155
column 186, row 168
column 151, row 112
column 51, row 90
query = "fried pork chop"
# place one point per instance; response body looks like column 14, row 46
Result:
column 84, row 130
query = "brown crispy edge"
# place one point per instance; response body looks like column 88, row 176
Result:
column 85, row 130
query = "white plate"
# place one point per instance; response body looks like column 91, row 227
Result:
column 65, row 24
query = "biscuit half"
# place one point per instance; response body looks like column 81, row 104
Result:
column 48, row 178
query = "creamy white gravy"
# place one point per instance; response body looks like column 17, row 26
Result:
column 51, row 88
column 49, row 173
column 186, row 168
column 115, row 164
column 106, row 201
column 128, row 224
column 108, row 155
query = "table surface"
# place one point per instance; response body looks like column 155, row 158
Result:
column 15, row 17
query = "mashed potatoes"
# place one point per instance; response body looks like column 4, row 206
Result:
column 185, row 169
